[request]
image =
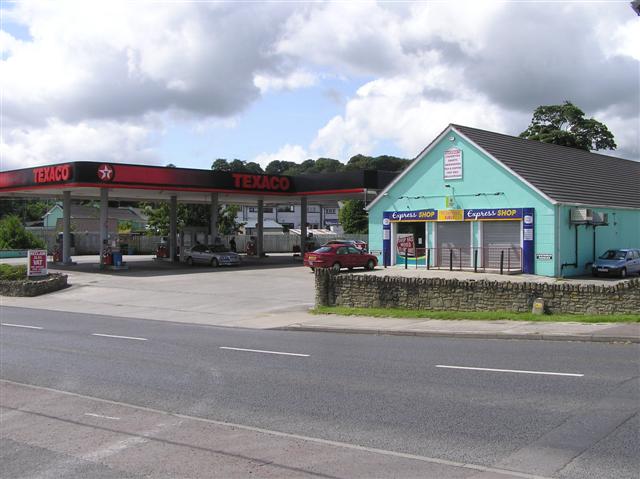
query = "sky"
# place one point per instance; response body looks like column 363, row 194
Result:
column 189, row 82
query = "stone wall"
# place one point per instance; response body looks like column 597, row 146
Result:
column 372, row 291
column 28, row 287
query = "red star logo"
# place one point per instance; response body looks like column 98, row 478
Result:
column 105, row 173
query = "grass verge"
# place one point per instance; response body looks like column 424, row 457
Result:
column 10, row 272
column 478, row 315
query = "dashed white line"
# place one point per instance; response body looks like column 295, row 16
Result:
column 21, row 326
column 519, row 371
column 265, row 352
column 118, row 337
column 101, row 416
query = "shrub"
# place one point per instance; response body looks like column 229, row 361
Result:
column 14, row 236
column 10, row 272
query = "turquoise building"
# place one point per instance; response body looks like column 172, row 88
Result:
column 475, row 199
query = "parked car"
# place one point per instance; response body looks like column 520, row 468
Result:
column 337, row 256
column 213, row 255
column 361, row 245
column 618, row 262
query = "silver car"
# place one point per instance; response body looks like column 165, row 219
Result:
column 213, row 255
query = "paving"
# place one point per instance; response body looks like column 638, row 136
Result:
column 277, row 292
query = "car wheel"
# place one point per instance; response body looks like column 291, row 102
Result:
column 336, row 267
column 190, row 261
column 370, row 265
column 623, row 273
column 214, row 263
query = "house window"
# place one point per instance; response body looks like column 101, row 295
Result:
column 330, row 211
column 254, row 209
column 286, row 208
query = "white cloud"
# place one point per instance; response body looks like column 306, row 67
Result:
column 58, row 142
column 297, row 79
column 294, row 153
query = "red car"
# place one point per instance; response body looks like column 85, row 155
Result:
column 361, row 245
column 337, row 256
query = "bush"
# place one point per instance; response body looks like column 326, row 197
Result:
column 10, row 272
column 14, row 236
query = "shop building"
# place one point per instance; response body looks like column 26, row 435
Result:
column 476, row 199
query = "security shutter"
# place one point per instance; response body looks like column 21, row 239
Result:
column 502, row 237
column 454, row 241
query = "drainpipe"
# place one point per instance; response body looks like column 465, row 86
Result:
column 575, row 263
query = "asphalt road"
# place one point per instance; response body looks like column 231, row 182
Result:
column 549, row 409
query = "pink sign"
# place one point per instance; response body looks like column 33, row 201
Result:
column 37, row 262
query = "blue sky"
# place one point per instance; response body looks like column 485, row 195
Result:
column 189, row 82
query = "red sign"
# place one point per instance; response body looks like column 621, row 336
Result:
column 405, row 244
column 105, row 172
column 50, row 174
column 37, row 262
column 260, row 182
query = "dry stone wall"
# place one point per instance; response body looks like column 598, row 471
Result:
column 53, row 282
column 373, row 291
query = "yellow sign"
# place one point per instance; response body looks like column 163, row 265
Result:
column 450, row 215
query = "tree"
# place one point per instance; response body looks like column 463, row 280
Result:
column 220, row 165
column 191, row 215
column 237, row 166
column 353, row 217
column 13, row 235
column 566, row 125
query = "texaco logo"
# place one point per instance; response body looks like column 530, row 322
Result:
column 105, row 172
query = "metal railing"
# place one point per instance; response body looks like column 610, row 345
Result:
column 507, row 258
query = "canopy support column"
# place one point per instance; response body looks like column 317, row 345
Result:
column 173, row 227
column 213, row 221
column 260, row 229
column 303, row 225
column 66, row 227
column 104, row 223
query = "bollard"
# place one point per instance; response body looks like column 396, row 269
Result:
column 406, row 258
column 538, row 306
column 475, row 260
column 451, row 259
column 501, row 261
column 428, row 258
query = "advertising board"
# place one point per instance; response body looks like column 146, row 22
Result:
column 37, row 262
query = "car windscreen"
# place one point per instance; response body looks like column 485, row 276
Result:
column 324, row 249
column 614, row 254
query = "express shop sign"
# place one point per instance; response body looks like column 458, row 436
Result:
column 493, row 214
column 485, row 214
column 418, row 215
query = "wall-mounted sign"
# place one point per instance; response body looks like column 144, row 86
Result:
column 450, row 203
column 544, row 257
column 453, row 164
column 36, row 262
column 417, row 215
column 450, row 215
column 493, row 214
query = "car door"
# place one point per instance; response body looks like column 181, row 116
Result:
column 635, row 260
column 356, row 258
column 342, row 256
column 197, row 253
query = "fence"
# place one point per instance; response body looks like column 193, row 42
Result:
column 477, row 259
column 89, row 242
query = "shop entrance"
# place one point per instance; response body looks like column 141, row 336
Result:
column 501, row 239
column 411, row 239
column 453, row 244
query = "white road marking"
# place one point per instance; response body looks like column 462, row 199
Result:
column 519, row 371
column 118, row 337
column 21, row 326
column 265, row 352
column 345, row 445
column 101, row 416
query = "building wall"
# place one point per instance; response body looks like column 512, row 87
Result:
column 482, row 177
column 623, row 231
column 329, row 215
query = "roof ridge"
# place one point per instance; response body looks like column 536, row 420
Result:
column 551, row 145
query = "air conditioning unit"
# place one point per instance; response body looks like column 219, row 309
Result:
column 581, row 216
column 600, row 219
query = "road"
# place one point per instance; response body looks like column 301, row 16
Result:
column 87, row 395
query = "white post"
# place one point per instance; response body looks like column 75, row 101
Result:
column 260, row 229
column 213, row 221
column 66, row 227
column 303, row 225
column 104, row 222
column 173, row 227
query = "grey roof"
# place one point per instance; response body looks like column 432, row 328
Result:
column 567, row 175
column 122, row 214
